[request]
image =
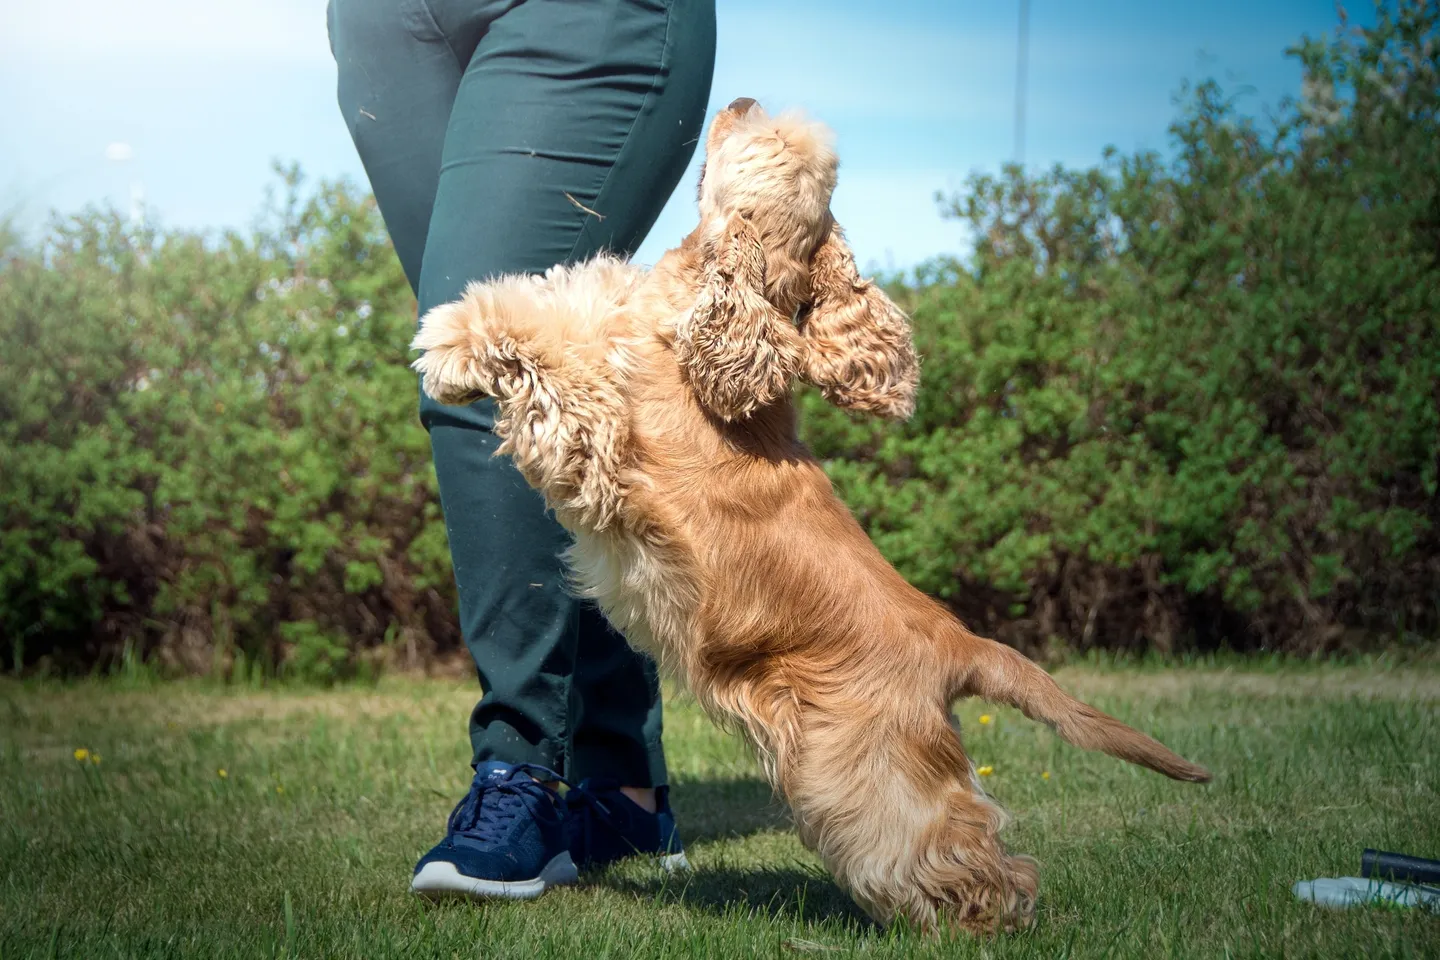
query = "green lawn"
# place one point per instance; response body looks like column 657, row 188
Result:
column 303, row 846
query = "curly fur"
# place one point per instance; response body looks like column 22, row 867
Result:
column 857, row 343
column 651, row 410
column 738, row 352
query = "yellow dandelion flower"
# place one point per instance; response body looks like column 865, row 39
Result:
column 82, row 754
column 1045, row 775
column 985, row 719
column 222, row 773
column 985, row 771
column 279, row 789
column 95, row 758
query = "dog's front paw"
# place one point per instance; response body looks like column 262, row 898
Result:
column 454, row 366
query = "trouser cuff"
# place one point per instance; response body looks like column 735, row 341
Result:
column 500, row 741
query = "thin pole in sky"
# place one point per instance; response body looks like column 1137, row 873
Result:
column 1022, row 58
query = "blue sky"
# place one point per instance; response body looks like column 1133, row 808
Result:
column 206, row 93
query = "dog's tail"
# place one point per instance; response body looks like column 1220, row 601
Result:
column 999, row 674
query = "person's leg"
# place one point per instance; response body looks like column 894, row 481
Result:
column 617, row 128
column 572, row 124
column 398, row 75
column 396, row 79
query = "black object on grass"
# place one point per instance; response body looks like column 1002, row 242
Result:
column 1399, row 867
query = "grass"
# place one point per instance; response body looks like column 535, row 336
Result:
column 303, row 846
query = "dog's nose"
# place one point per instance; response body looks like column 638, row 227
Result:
column 741, row 104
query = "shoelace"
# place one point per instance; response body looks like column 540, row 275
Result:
column 491, row 806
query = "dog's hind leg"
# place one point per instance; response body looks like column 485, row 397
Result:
column 906, row 829
column 964, row 879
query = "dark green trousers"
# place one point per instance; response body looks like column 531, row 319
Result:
column 506, row 136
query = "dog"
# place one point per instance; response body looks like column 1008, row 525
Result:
column 653, row 410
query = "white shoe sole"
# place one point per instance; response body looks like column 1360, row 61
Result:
column 675, row 862
column 439, row 879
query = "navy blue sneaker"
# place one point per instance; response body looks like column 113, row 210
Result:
column 507, row 838
column 606, row 825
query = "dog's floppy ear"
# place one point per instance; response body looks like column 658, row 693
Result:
column 858, row 346
column 738, row 352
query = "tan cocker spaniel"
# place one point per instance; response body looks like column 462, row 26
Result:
column 652, row 410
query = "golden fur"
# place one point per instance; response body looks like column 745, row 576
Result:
column 652, row 410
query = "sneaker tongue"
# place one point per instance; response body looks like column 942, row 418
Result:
column 493, row 771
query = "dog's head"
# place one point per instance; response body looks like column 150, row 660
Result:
column 780, row 296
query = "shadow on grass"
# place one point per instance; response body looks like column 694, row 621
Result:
column 707, row 810
column 781, row 893
column 716, row 810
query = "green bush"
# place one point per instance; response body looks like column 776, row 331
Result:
column 211, row 447
column 1167, row 403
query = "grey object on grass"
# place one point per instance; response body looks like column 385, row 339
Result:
column 1358, row 891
